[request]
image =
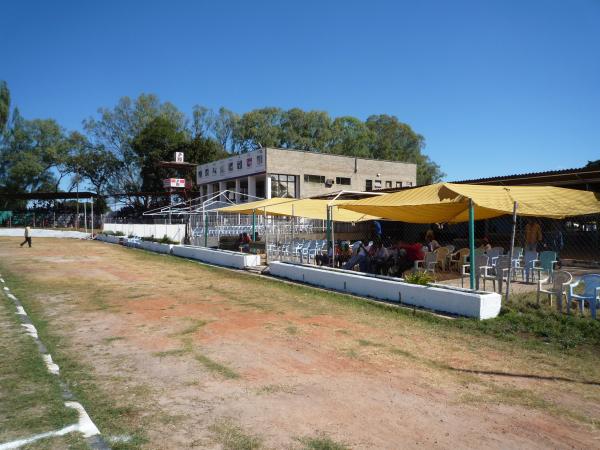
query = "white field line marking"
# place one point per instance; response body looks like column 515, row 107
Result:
column 6, row 289
column 51, row 365
column 30, row 330
column 84, row 425
column 2, row 280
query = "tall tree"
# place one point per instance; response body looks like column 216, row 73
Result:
column 4, row 105
column 116, row 129
column 260, row 128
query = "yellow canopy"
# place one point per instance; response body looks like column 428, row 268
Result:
column 449, row 202
column 308, row 208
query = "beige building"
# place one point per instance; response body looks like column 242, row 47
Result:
column 274, row 172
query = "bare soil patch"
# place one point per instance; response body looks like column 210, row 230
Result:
column 180, row 355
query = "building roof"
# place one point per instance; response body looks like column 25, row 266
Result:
column 581, row 175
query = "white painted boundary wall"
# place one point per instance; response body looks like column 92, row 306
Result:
column 41, row 232
column 219, row 257
column 155, row 247
column 462, row 302
column 176, row 232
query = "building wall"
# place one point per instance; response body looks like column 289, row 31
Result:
column 293, row 162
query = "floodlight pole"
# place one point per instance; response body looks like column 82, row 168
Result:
column 512, row 249
column 471, row 244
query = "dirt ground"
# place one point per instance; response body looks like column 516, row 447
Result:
column 191, row 356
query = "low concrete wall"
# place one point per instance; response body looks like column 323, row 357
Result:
column 219, row 257
column 175, row 232
column 108, row 238
column 463, row 302
column 43, row 233
column 155, row 247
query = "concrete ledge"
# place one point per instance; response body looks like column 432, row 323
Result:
column 462, row 302
column 155, row 247
column 107, row 238
column 43, row 233
column 220, row 257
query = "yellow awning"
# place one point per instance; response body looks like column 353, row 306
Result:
column 308, row 208
column 449, row 202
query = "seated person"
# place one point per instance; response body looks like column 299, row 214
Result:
column 344, row 254
column 380, row 261
column 360, row 256
column 485, row 244
column 430, row 241
column 407, row 254
column 244, row 242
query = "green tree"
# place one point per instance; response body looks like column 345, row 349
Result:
column 4, row 105
column 305, row 130
column 116, row 129
column 259, row 128
column 351, row 137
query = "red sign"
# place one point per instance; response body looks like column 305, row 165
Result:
column 174, row 182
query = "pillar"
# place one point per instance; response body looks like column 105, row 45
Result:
column 267, row 186
column 238, row 197
column 251, row 188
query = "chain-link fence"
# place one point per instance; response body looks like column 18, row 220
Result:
column 50, row 219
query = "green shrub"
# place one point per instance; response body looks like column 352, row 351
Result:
column 422, row 278
column 119, row 233
column 108, row 233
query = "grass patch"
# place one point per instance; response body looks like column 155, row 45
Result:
column 276, row 388
column 173, row 352
column 321, row 442
column 367, row 343
column 192, row 328
column 30, row 397
column 292, row 329
column 108, row 340
column 216, row 367
column 233, row 437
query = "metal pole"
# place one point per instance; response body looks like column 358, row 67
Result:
column 510, row 253
column 205, row 230
column 266, row 236
column 332, row 237
column 472, row 244
column 92, row 198
column 253, row 225
column 85, row 217
column 218, row 230
column 292, row 223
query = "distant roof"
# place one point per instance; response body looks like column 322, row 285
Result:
column 581, row 175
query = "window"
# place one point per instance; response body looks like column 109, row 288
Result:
column 409, row 184
column 259, row 160
column 344, row 181
column 398, row 184
column 283, row 186
column 222, row 169
column 200, row 173
column 369, row 185
column 206, row 172
column 214, row 170
column 377, row 184
column 248, row 162
column 314, row 178
column 240, row 164
column 388, row 184
column 231, row 166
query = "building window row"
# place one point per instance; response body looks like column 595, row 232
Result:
column 377, row 184
column 314, row 179
column 239, row 165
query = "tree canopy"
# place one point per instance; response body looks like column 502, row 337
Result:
column 120, row 147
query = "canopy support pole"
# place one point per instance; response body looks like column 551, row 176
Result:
column 332, row 238
column 266, row 236
column 292, row 224
column 253, row 225
column 205, row 229
column 92, row 205
column 512, row 249
column 471, row 244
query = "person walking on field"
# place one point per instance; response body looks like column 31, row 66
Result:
column 27, row 236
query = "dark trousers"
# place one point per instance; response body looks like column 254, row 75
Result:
column 26, row 241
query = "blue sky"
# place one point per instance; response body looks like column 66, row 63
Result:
column 496, row 87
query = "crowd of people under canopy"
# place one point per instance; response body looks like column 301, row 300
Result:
column 385, row 256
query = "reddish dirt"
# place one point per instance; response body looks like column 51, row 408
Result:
column 307, row 364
